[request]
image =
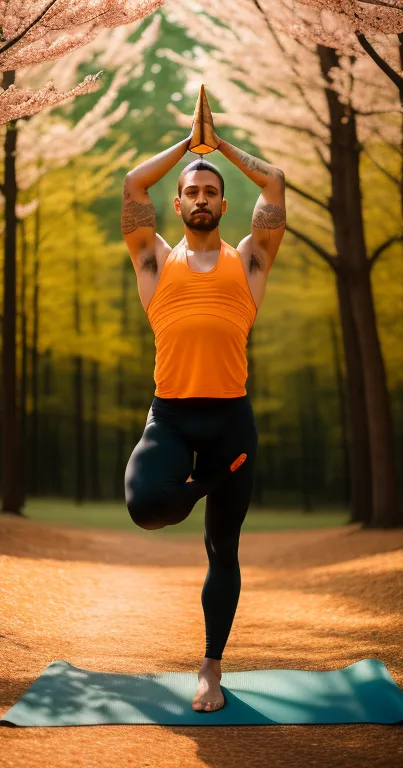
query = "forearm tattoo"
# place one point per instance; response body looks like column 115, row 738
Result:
column 254, row 164
column 267, row 216
column 135, row 214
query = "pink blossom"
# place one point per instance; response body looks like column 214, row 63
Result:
column 41, row 30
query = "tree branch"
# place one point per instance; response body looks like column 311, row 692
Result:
column 17, row 38
column 296, row 81
column 306, row 195
column 389, row 4
column 331, row 260
column 297, row 128
column 381, row 168
column 377, row 112
column 381, row 248
column 384, row 66
column 86, row 21
column 322, row 158
column 389, row 144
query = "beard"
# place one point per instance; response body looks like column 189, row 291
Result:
column 202, row 223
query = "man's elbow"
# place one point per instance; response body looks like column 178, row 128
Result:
column 281, row 176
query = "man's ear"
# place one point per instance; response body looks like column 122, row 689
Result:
column 224, row 207
column 177, row 203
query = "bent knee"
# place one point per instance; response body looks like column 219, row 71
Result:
column 146, row 510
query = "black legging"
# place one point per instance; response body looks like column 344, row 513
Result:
column 157, row 494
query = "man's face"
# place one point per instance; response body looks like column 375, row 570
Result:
column 201, row 191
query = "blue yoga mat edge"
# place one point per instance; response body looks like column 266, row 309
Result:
column 63, row 694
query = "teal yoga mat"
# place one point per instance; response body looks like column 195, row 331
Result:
column 363, row 692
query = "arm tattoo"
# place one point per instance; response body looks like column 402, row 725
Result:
column 135, row 214
column 254, row 164
column 267, row 216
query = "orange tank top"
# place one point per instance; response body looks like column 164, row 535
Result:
column 201, row 322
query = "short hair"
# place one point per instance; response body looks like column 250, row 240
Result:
column 201, row 165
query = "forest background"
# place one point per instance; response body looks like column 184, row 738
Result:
column 85, row 350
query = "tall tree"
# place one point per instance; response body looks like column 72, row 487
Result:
column 56, row 145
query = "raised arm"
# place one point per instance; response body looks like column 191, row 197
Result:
column 269, row 215
column 138, row 220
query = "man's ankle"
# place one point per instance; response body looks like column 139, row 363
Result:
column 213, row 664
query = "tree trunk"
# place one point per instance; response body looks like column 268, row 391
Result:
column 400, row 38
column 120, row 392
column 46, row 480
column 56, row 458
column 24, row 342
column 33, row 486
column 94, row 404
column 78, row 420
column 341, row 395
column 94, row 431
column 10, row 431
column 120, row 434
column 305, row 440
column 345, row 206
column 359, row 454
column 78, row 370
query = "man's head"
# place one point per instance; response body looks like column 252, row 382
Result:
column 200, row 188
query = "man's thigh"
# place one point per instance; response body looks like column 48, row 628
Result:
column 160, row 459
column 229, row 503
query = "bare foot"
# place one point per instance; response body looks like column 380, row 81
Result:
column 209, row 695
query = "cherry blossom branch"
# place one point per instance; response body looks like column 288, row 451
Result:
column 386, row 4
column 86, row 21
column 61, row 26
column 297, row 83
column 19, row 103
column 17, row 38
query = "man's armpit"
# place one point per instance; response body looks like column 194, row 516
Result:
column 149, row 264
column 256, row 264
column 135, row 214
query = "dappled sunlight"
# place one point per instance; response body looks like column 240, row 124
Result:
column 145, row 617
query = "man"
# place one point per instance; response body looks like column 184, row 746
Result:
column 201, row 298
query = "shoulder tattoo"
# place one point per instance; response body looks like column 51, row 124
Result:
column 267, row 216
column 135, row 214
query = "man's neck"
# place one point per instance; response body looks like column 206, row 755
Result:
column 202, row 242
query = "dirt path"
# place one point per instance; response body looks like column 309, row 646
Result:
column 118, row 602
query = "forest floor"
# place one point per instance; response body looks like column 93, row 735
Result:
column 114, row 601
